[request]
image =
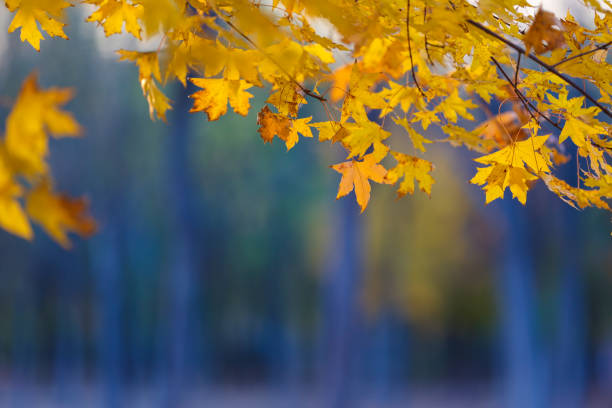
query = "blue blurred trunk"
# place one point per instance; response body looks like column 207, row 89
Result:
column 342, row 330
column 107, row 270
column 523, row 376
column 180, row 325
column 106, row 246
column 24, row 350
column 68, row 364
column 389, row 348
column 569, row 364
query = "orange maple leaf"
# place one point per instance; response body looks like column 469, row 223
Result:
column 356, row 175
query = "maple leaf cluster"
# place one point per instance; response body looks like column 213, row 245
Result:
column 369, row 61
column 24, row 172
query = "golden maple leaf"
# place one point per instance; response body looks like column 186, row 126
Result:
column 411, row 168
column 356, row 175
column 32, row 13
column 507, row 169
column 148, row 74
column 216, row 93
column 36, row 113
column 12, row 217
column 59, row 214
column 112, row 14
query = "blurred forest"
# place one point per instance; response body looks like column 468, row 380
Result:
column 224, row 273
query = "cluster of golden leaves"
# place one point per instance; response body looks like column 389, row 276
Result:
column 24, row 172
column 373, row 59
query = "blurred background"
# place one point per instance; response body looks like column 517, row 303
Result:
column 224, row 273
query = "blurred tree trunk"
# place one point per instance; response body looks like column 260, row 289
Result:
column 106, row 266
column 68, row 362
column 181, row 274
column 342, row 315
column 106, row 247
column 385, row 336
column 523, row 375
column 24, row 317
column 569, row 364
column 24, row 347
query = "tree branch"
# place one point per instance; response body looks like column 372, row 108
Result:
column 425, row 35
column 606, row 45
column 516, row 72
column 522, row 97
column 302, row 88
column 410, row 49
column 550, row 68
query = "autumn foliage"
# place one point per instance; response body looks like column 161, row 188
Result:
column 368, row 64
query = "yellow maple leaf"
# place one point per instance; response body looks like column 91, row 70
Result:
column 360, row 136
column 496, row 178
column 417, row 139
column 32, row 13
column 507, row 169
column 298, row 127
column 356, row 175
column 287, row 98
column 147, row 62
column 520, row 153
column 577, row 197
column 12, row 217
column 578, row 131
column 454, row 106
column 59, row 214
column 112, row 14
column 148, row 72
column 410, row 168
column 216, row 93
column 330, row 130
column 35, row 113
column 159, row 103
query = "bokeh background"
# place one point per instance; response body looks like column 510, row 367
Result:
column 224, row 273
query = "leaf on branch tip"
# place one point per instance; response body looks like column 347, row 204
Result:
column 356, row 175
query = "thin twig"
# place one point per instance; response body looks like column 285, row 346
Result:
column 550, row 68
column 410, row 49
column 516, row 72
column 425, row 35
column 522, row 97
column 302, row 88
column 606, row 45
